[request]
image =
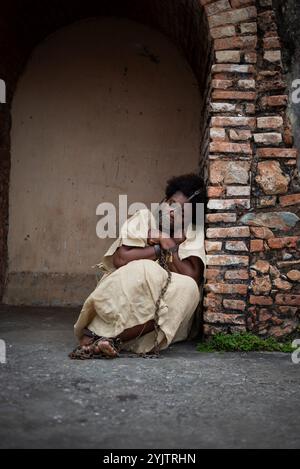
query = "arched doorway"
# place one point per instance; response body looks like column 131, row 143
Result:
column 234, row 50
column 105, row 106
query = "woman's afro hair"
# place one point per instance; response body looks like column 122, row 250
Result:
column 187, row 184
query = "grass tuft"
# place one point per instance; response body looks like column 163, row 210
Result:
column 242, row 342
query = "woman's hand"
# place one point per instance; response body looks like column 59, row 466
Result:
column 154, row 237
column 167, row 243
column 157, row 237
column 180, row 238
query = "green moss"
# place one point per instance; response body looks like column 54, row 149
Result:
column 242, row 342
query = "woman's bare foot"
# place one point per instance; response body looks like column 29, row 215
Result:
column 85, row 340
column 103, row 346
column 100, row 347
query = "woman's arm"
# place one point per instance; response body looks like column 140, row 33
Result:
column 125, row 254
column 191, row 266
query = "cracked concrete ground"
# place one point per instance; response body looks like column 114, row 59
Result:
column 185, row 399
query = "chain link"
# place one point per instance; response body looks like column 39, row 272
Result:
column 163, row 262
column 80, row 353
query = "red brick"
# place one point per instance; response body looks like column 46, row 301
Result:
column 277, row 152
column 241, row 3
column 221, row 217
column 217, row 133
column 216, row 7
column 240, row 274
column 212, row 301
column 250, row 57
column 213, row 246
column 282, row 284
column 234, row 95
column 232, row 68
column 271, row 84
column 229, row 147
column 229, row 172
column 272, row 56
column 250, row 108
column 227, row 288
column 228, row 121
column 237, row 134
column 287, row 299
column 232, row 17
column 260, row 300
column 269, row 122
column 228, row 56
column 268, row 138
column 261, row 232
column 223, row 107
column 247, row 28
column 294, row 275
column 234, row 191
column 223, row 259
column 271, row 178
column 261, row 285
column 232, row 232
column 293, row 199
column 234, row 304
column 236, row 246
column 288, row 310
column 222, row 31
column 215, row 191
column 266, row 201
column 264, row 315
column 286, row 242
column 261, row 266
column 271, row 42
column 222, row 84
column 223, row 318
column 213, row 274
column 236, row 42
column 246, row 84
column 267, row 20
column 227, row 204
column 256, row 245
column 210, row 330
column 275, row 101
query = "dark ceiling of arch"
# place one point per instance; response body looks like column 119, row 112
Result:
column 25, row 23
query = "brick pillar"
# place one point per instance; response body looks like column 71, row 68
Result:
column 274, row 223
column 251, row 278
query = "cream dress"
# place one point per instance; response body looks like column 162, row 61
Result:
column 126, row 297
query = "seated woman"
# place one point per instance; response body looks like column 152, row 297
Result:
column 152, row 283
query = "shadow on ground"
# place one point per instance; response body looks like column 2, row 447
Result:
column 185, row 399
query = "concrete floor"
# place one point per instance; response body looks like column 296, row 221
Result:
column 185, row 399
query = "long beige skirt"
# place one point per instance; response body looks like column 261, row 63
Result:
column 126, row 297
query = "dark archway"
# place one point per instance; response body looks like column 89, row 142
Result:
column 28, row 23
column 252, row 224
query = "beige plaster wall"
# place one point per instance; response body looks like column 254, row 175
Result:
column 105, row 107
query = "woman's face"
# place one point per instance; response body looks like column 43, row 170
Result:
column 176, row 209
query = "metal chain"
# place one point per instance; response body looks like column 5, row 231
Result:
column 155, row 354
column 117, row 343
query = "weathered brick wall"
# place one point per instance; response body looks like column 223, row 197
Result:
column 252, row 223
column 288, row 19
column 246, row 149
